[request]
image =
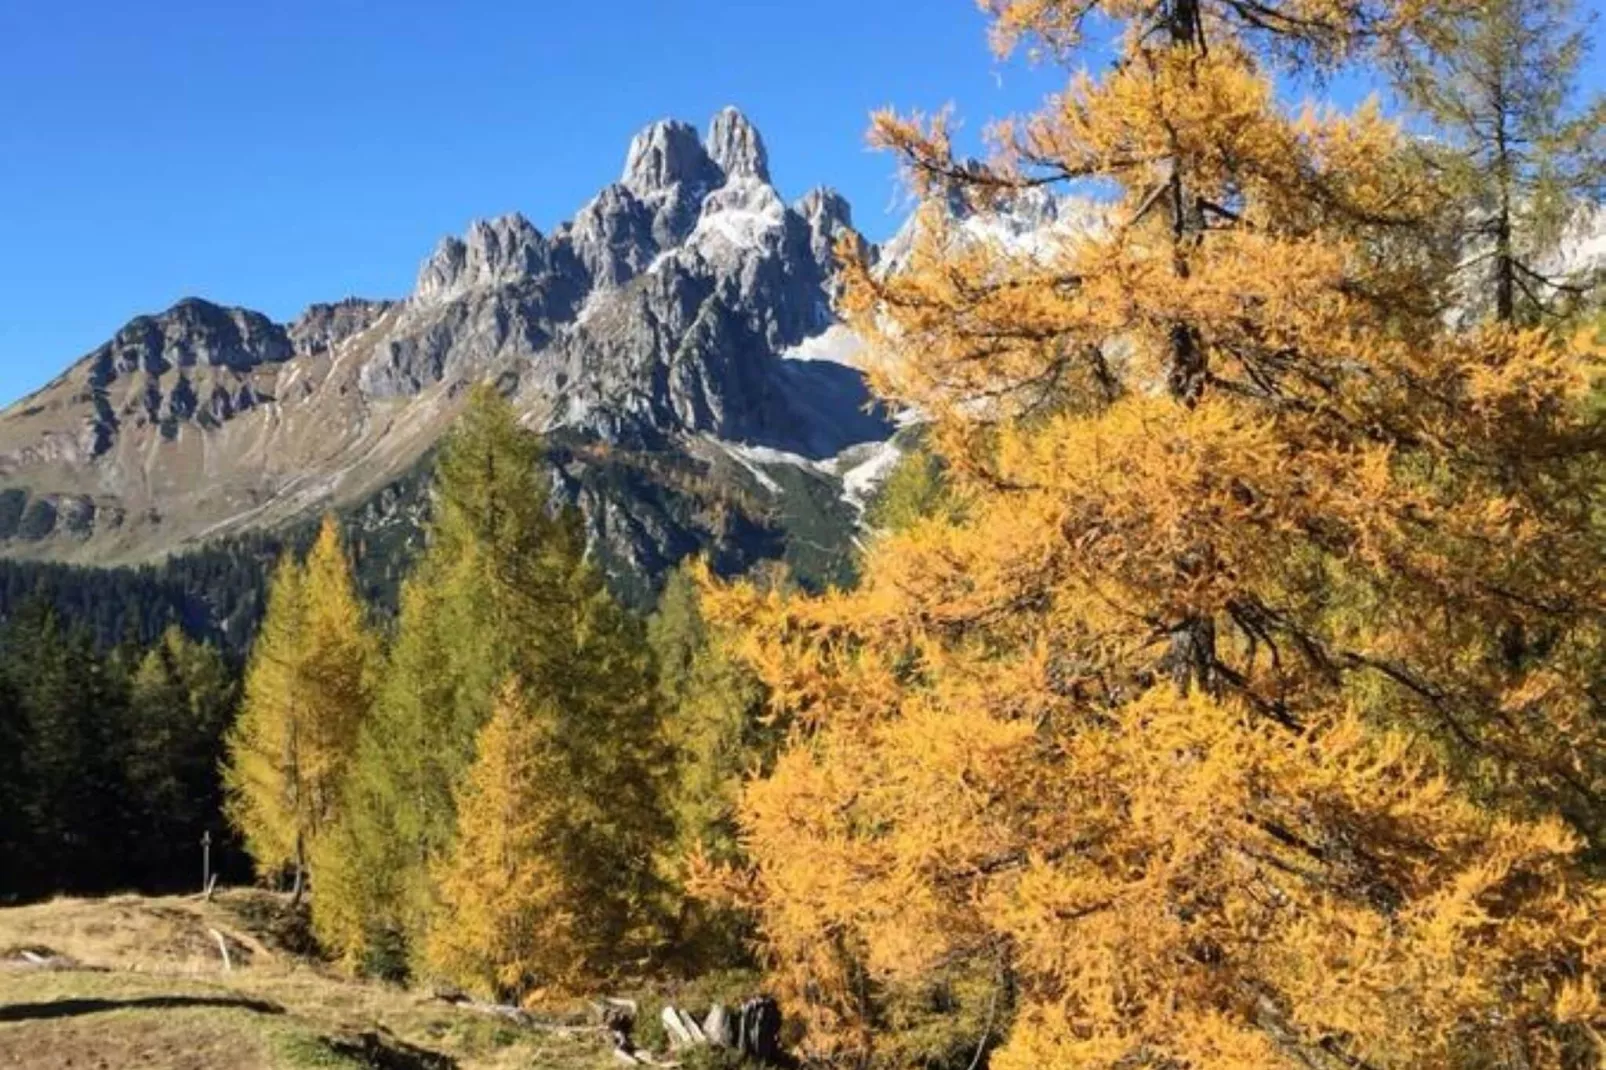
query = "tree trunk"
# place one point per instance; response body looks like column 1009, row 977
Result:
column 1190, row 657
column 1182, row 20
column 1185, row 378
column 301, row 871
column 1191, row 653
column 1505, row 285
column 1505, row 266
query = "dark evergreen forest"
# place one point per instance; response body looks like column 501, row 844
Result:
column 116, row 686
column 109, row 758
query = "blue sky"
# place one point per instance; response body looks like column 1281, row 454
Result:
column 279, row 152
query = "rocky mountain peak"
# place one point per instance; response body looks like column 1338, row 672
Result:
column 736, row 147
column 825, row 208
column 192, row 362
column 326, row 324
column 193, row 333
column 441, row 272
column 827, row 214
column 660, row 310
column 493, row 252
column 666, row 154
column 613, row 236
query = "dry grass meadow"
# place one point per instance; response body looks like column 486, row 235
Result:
column 135, row 982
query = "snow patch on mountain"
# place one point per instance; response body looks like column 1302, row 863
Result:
column 869, row 468
column 837, row 344
column 1033, row 225
column 745, row 215
column 756, row 459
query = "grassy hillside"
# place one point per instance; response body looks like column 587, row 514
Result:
column 140, row 982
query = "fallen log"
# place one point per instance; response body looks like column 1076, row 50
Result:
column 753, row 1029
column 42, row 958
column 718, row 1027
column 517, row 1015
column 758, row 1034
column 695, row 1031
column 679, row 1035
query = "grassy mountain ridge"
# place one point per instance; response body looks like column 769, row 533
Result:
column 649, row 509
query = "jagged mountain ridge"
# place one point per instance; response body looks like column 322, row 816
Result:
column 648, row 336
column 674, row 340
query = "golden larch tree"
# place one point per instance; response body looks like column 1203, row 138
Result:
column 514, row 926
column 1225, row 713
column 308, row 687
column 505, row 589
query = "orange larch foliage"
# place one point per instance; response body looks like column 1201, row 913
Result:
column 512, row 926
column 1246, row 714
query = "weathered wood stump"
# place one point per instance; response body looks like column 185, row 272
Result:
column 753, row 1029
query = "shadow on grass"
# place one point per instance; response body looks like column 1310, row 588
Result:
column 388, row 1053
column 72, row 1008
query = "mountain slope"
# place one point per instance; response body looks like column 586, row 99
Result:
column 649, row 337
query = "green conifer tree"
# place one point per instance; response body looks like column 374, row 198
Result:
column 181, row 697
column 717, row 732
column 74, row 797
column 503, row 591
column 1517, row 149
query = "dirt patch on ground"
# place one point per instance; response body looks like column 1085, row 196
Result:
column 171, row 1038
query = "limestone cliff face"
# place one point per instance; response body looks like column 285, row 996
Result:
column 656, row 324
column 659, row 310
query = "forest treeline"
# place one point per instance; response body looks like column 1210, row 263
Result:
column 214, row 595
column 109, row 760
column 216, row 592
column 1223, row 682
